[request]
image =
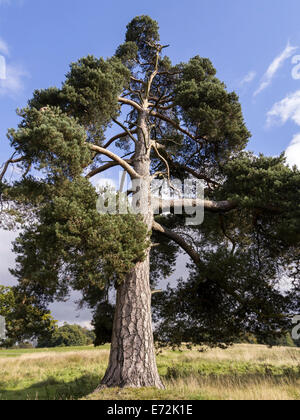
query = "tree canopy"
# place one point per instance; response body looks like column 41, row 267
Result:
column 180, row 118
column 24, row 318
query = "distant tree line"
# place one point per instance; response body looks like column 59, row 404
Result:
column 26, row 324
column 68, row 336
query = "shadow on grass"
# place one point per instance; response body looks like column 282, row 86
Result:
column 53, row 389
column 82, row 387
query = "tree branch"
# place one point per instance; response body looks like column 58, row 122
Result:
column 162, row 99
column 129, row 133
column 196, row 174
column 222, row 223
column 162, row 108
column 184, row 167
column 153, row 75
column 117, row 137
column 212, row 206
column 103, row 168
column 173, row 123
column 6, row 165
column 131, row 103
column 179, row 240
column 125, row 165
column 134, row 79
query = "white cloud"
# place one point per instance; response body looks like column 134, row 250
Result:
column 106, row 182
column 4, row 47
column 11, row 76
column 274, row 67
column 2, row 68
column 13, row 84
column 293, row 152
column 288, row 109
column 248, row 78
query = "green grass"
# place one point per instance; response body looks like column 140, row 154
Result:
column 241, row 372
column 20, row 352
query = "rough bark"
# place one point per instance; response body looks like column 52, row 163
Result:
column 132, row 360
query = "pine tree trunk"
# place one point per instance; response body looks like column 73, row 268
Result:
column 132, row 360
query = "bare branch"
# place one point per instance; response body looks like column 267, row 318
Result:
column 167, row 166
column 117, row 137
column 196, row 174
column 125, row 165
column 179, row 240
column 162, row 99
column 134, row 79
column 154, row 144
column 173, row 123
column 191, row 171
column 6, row 165
column 131, row 103
column 166, row 108
column 153, row 292
column 233, row 242
column 152, row 76
column 103, row 168
column 129, row 133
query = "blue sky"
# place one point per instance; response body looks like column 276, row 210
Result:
column 255, row 46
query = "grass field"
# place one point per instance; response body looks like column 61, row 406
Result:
column 243, row 372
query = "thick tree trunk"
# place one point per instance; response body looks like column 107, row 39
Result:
column 132, row 358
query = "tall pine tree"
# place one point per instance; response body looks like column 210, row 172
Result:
column 175, row 121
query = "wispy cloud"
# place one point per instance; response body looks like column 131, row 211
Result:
column 274, row 67
column 13, row 84
column 11, row 2
column 11, row 76
column 288, row 109
column 3, row 47
column 248, row 78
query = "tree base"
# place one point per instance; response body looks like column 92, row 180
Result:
column 130, row 385
column 132, row 362
column 135, row 383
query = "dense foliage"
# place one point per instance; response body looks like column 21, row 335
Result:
column 68, row 336
column 24, row 318
column 248, row 243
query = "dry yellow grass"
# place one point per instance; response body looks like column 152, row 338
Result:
column 243, row 372
column 277, row 356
